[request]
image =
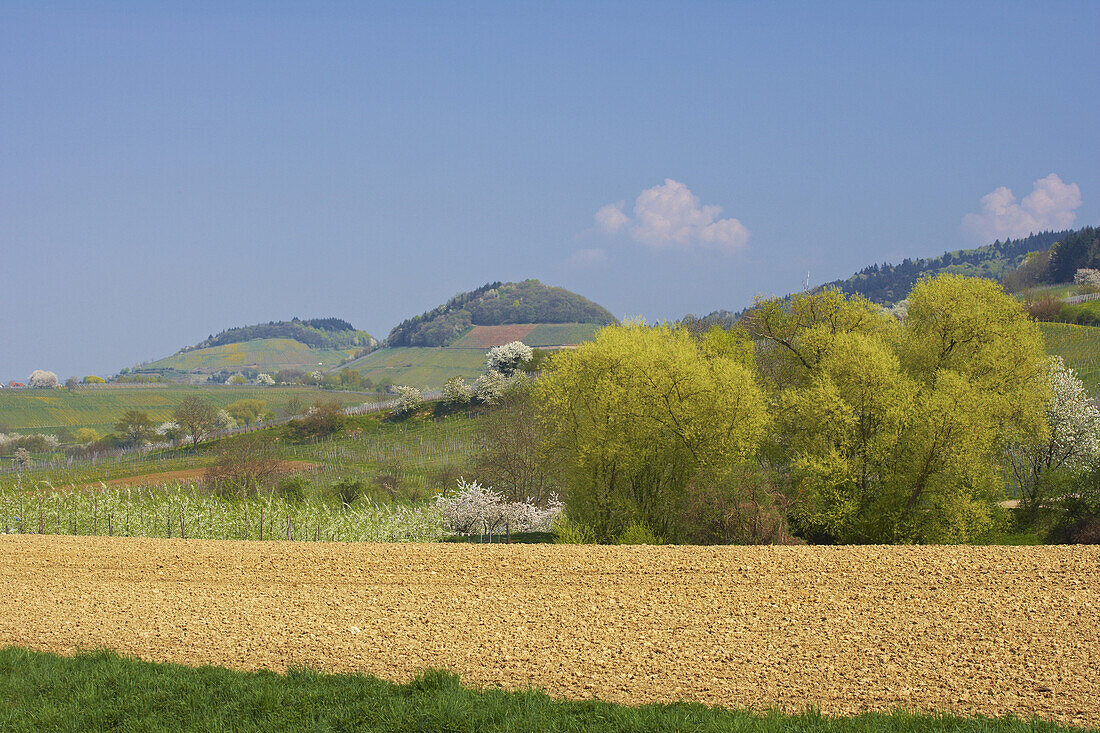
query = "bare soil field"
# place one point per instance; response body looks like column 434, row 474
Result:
column 486, row 337
column 987, row 630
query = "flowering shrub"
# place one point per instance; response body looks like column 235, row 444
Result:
column 456, row 391
column 490, row 387
column 169, row 430
column 41, row 379
column 508, row 358
column 225, row 420
column 265, row 380
column 409, row 400
column 1088, row 277
column 477, row 509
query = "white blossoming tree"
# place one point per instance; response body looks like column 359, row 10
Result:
column 409, row 400
column 476, row 509
column 265, row 380
column 456, row 391
column 41, row 379
column 1073, row 440
column 508, row 358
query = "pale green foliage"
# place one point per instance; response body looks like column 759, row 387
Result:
column 632, row 416
column 568, row 532
column 246, row 411
column 638, row 533
column 172, row 510
column 891, row 432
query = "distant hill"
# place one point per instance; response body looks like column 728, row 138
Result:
column 428, row 367
column 887, row 284
column 317, row 333
column 318, row 344
column 497, row 304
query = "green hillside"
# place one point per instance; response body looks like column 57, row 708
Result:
column 48, row 410
column 426, row 368
column 561, row 334
column 887, row 284
column 430, row 367
column 262, row 354
column 1079, row 346
column 497, row 304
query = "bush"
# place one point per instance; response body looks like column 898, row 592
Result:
column 638, row 533
column 322, row 420
column 347, row 491
column 737, row 506
column 1045, row 308
column 568, row 532
column 409, row 400
column 293, row 488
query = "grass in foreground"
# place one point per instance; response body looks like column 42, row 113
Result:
column 102, row 691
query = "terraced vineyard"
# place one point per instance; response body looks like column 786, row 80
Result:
column 33, row 410
column 1079, row 346
column 974, row 630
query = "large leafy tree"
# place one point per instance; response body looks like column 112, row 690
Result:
column 633, row 416
column 892, row 432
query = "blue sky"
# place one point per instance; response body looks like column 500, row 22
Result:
column 167, row 172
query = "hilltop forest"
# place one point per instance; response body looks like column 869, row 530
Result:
column 496, row 304
column 317, row 333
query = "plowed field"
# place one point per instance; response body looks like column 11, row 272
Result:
column 970, row 629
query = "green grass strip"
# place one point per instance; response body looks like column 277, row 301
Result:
column 103, row 691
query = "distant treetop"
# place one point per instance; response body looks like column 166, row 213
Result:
column 496, row 304
column 886, row 284
column 318, row 333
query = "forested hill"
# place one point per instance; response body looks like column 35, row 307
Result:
column 496, row 304
column 317, row 333
column 888, row 283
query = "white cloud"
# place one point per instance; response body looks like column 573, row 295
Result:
column 611, row 218
column 670, row 215
column 588, row 257
column 1049, row 206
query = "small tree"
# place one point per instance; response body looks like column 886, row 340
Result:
column 510, row 357
column 409, row 400
column 456, row 391
column 246, row 411
column 196, row 417
column 41, row 379
column 71, row 383
column 86, row 436
column 244, row 466
column 93, row 379
column 1071, row 442
column 323, row 419
column 265, row 380
column 135, row 428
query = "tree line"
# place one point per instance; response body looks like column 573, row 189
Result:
column 820, row 418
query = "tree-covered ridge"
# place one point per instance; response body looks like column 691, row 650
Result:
column 496, row 304
column 887, row 284
column 317, row 333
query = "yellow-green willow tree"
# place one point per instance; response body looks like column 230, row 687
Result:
column 634, row 415
column 893, row 432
